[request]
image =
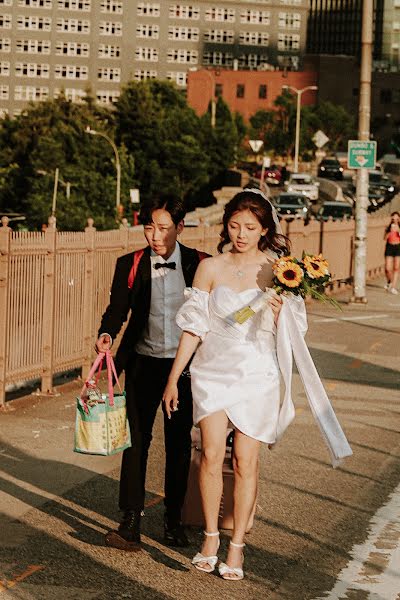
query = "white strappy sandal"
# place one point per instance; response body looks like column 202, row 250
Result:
column 210, row 561
column 224, row 570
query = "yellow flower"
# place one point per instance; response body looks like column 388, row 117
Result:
column 316, row 266
column 289, row 274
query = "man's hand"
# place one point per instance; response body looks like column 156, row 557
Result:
column 103, row 343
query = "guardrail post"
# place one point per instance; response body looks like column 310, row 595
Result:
column 48, row 307
column 88, row 298
column 5, row 235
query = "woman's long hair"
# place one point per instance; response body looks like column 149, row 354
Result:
column 395, row 213
column 262, row 210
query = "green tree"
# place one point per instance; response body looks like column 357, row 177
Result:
column 50, row 135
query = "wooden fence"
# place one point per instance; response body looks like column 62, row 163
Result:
column 54, row 287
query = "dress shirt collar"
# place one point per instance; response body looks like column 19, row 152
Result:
column 175, row 257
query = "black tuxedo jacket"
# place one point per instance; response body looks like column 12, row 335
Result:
column 137, row 300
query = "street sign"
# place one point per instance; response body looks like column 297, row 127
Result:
column 255, row 145
column 320, row 139
column 266, row 162
column 361, row 154
column 135, row 195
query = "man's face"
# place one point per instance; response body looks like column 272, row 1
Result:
column 161, row 233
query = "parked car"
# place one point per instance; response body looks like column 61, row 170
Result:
column 382, row 183
column 302, row 183
column 330, row 168
column 335, row 210
column 376, row 198
column 293, row 205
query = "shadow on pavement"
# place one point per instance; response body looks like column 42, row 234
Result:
column 335, row 366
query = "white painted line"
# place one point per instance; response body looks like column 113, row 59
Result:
column 375, row 567
column 355, row 318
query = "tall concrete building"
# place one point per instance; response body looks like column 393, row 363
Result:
column 391, row 37
column 49, row 46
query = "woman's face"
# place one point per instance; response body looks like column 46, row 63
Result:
column 245, row 230
column 395, row 219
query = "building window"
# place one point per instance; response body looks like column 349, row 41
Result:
column 289, row 20
column 109, row 74
column 148, row 9
column 220, row 36
column 4, row 92
column 396, row 25
column 110, row 28
column 83, row 5
column 182, row 11
column 5, row 45
column 386, row 96
column 35, row 3
column 109, row 51
column 71, row 72
column 72, row 94
column 72, row 49
column 107, row 96
column 290, row 2
column 178, row 77
column 33, row 46
column 32, row 70
column 148, row 31
column 218, row 59
column 4, row 67
column 188, row 34
column 240, row 90
column 252, row 61
column 262, row 91
column 33, row 23
column 30, row 93
column 143, row 75
column 256, row 17
column 111, row 6
column 254, row 38
column 147, row 54
column 5, row 21
column 180, row 55
column 288, row 41
column 6, row 2
column 288, row 62
column 222, row 15
column 219, row 90
column 73, row 26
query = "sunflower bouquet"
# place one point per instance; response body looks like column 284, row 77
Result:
column 306, row 277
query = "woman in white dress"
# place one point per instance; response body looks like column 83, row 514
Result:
column 235, row 372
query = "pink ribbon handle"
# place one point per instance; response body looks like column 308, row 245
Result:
column 110, row 372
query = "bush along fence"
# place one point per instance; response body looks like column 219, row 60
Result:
column 54, row 287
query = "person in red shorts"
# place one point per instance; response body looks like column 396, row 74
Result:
column 392, row 253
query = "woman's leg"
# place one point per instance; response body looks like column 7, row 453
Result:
column 245, row 463
column 389, row 268
column 213, row 444
column 395, row 272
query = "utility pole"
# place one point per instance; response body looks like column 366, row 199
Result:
column 364, row 118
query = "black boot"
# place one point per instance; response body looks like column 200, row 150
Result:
column 127, row 537
column 174, row 533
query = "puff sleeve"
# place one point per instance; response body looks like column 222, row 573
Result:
column 193, row 316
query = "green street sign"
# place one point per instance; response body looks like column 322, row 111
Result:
column 361, row 154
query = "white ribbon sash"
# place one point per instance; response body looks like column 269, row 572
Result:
column 290, row 340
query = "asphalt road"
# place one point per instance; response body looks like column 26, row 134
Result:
column 312, row 534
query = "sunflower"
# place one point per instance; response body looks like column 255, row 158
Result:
column 316, row 266
column 289, row 274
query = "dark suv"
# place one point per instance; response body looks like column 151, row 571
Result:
column 330, row 168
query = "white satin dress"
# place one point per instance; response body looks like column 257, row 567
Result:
column 235, row 368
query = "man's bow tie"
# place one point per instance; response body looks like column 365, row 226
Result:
column 170, row 265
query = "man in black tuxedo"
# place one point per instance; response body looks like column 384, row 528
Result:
column 146, row 353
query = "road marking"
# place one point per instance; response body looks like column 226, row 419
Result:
column 6, row 585
column 374, row 569
column 355, row 318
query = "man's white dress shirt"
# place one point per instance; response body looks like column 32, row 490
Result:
column 161, row 335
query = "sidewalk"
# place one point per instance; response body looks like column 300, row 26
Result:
column 55, row 506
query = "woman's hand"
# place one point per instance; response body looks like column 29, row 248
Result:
column 170, row 397
column 275, row 303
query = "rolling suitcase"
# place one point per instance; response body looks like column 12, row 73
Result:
column 192, row 513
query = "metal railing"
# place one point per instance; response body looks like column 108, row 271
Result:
column 54, row 287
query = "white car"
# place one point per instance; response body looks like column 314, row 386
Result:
column 303, row 183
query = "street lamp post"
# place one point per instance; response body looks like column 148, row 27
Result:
column 117, row 163
column 298, row 112
column 57, row 180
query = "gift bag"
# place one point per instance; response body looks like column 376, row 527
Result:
column 101, row 425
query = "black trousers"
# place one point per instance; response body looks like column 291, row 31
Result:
column 145, row 382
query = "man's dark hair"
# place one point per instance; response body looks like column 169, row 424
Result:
column 168, row 202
